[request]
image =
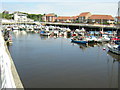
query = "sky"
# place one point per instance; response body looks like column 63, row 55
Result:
column 61, row 7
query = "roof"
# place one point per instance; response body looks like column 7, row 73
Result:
column 51, row 14
column 63, row 17
column 118, row 18
column 106, row 17
column 67, row 17
column 74, row 17
column 84, row 14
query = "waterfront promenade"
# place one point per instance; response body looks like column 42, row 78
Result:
column 9, row 75
column 79, row 24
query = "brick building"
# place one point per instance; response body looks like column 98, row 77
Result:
column 101, row 19
column 49, row 17
column 83, row 17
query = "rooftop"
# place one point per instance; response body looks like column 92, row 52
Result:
column 108, row 17
column 51, row 14
column 84, row 14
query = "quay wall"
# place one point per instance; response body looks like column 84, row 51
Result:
column 9, row 75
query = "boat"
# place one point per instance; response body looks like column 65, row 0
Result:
column 104, row 38
column 79, row 41
column 8, row 28
column 91, row 39
column 114, row 48
column 15, row 28
column 44, row 33
column 22, row 29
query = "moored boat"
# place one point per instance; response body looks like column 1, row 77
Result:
column 79, row 41
column 44, row 33
column 104, row 38
column 114, row 48
column 15, row 28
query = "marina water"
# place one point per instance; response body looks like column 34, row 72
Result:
column 56, row 62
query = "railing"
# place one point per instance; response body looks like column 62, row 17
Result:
column 7, row 80
column 79, row 24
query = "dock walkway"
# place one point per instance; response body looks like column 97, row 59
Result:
column 9, row 75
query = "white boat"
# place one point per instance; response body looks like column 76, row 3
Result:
column 91, row 39
column 104, row 38
column 56, row 32
column 9, row 28
column 15, row 28
column 114, row 48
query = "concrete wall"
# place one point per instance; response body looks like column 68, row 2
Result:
column 9, row 75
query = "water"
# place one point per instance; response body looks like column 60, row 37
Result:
column 48, row 62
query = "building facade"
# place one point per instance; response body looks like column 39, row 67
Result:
column 22, row 18
column 49, row 17
column 83, row 17
column 19, row 17
column 101, row 19
column 117, row 19
column 67, row 19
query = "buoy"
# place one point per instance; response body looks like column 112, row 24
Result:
column 104, row 48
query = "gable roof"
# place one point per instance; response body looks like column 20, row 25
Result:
column 83, row 14
column 74, row 17
column 105, row 17
column 51, row 14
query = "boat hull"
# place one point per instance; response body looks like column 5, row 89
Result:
column 82, row 42
column 114, row 50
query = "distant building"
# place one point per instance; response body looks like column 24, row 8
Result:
column 6, row 21
column 66, row 19
column 63, row 19
column 74, row 18
column 83, row 17
column 6, row 12
column 101, row 19
column 117, row 19
column 49, row 17
column 20, row 17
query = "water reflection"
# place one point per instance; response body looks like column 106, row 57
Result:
column 55, row 62
column 91, row 45
column 114, row 56
column 43, row 37
column 115, row 59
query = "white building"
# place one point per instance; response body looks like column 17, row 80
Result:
column 5, row 21
column 19, row 17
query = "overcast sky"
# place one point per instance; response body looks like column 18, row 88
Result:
column 61, row 7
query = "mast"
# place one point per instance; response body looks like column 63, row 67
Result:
column 118, row 11
column 118, row 18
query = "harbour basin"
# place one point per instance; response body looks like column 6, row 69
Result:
column 56, row 62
